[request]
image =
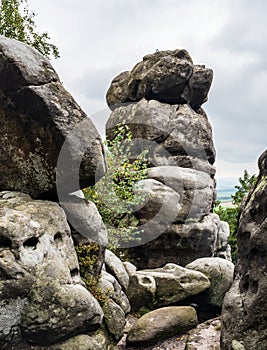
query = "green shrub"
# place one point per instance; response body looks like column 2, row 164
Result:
column 113, row 194
column 88, row 255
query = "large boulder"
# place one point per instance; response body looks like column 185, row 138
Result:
column 195, row 188
column 220, row 272
column 244, row 315
column 172, row 283
column 43, row 299
column 167, row 76
column 161, row 324
column 38, row 116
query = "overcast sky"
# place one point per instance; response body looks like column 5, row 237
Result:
column 99, row 39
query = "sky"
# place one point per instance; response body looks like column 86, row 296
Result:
column 98, row 39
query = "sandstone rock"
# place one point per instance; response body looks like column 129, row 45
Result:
column 179, row 244
column 167, row 132
column 114, row 318
column 42, row 297
column 175, row 283
column 37, row 116
column 87, row 226
column 57, row 311
column 141, row 290
column 118, row 90
column 161, row 106
column 167, row 76
column 129, row 267
column 161, row 208
column 84, row 216
column 195, row 188
column 110, row 286
column 244, row 312
column 223, row 249
column 161, row 324
column 164, row 81
column 95, row 341
column 115, row 265
column 147, row 120
column 220, row 272
column 190, row 135
column 196, row 91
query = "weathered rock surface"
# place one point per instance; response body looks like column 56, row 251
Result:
column 37, row 116
column 220, row 272
column 114, row 264
column 205, row 336
column 160, row 102
column 175, row 133
column 110, row 287
column 166, row 76
column 95, row 341
column 43, row 300
column 114, row 318
column 196, row 190
column 161, row 208
column 164, row 286
column 141, row 290
column 244, row 315
column 161, row 324
column 180, row 244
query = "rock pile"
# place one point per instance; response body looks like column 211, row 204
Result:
column 244, row 316
column 160, row 102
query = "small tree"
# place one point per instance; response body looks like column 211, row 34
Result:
column 114, row 195
column 17, row 22
column 230, row 215
column 246, row 183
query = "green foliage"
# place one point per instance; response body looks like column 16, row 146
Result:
column 246, row 183
column 230, row 214
column 17, row 22
column 113, row 194
column 88, row 257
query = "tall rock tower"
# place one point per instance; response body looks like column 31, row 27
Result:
column 160, row 101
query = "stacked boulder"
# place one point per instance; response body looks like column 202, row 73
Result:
column 244, row 316
column 160, row 102
column 49, row 148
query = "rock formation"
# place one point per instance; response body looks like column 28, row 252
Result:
column 244, row 316
column 37, row 116
column 160, row 102
column 41, row 291
column 49, row 149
